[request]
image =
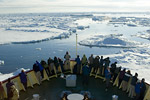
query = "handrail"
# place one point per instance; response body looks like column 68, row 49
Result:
column 13, row 77
column 31, row 72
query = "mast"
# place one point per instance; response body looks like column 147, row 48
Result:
column 76, row 44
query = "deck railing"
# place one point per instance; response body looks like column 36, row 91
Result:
column 32, row 79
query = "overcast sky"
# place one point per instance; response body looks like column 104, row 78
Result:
column 34, row 6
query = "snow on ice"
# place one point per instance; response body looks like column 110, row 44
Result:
column 26, row 28
column 143, row 35
column 134, row 56
column 112, row 40
column 136, row 60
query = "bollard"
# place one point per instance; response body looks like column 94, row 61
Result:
column 114, row 97
column 36, row 96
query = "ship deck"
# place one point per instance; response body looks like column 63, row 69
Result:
column 51, row 90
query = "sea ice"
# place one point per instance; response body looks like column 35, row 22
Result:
column 143, row 35
column 38, row 49
column 112, row 40
column 26, row 28
column 136, row 60
column 1, row 62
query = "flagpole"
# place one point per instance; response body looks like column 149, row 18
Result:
column 76, row 44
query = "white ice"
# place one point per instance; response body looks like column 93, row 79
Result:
column 36, row 28
column 136, row 60
column 2, row 62
column 112, row 40
column 143, row 35
column 6, row 76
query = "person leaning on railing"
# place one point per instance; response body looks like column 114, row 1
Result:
column 46, row 67
column 67, row 61
column 137, row 90
column 61, row 64
column 126, row 80
column 113, row 68
column 77, row 67
column 23, row 78
column 40, row 68
column 107, row 76
column 91, row 61
column 122, row 73
column 132, row 85
column 96, row 64
column 8, row 86
column 56, row 63
column 84, row 60
column 101, row 64
column 51, row 66
column 85, row 73
column 37, row 72
column 142, row 89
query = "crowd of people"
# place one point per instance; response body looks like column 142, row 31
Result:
column 84, row 66
column 12, row 91
column 106, row 69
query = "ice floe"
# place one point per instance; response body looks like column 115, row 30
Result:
column 38, row 49
column 124, row 20
column 1, row 62
column 143, row 35
column 112, row 40
column 34, row 28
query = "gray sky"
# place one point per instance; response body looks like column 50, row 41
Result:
column 34, row 6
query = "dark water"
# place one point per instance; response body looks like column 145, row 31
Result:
column 24, row 55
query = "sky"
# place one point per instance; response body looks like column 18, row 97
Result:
column 39, row 6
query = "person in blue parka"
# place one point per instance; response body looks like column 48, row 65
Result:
column 142, row 89
column 85, row 73
column 107, row 77
column 137, row 90
column 78, row 65
column 23, row 78
column 40, row 68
